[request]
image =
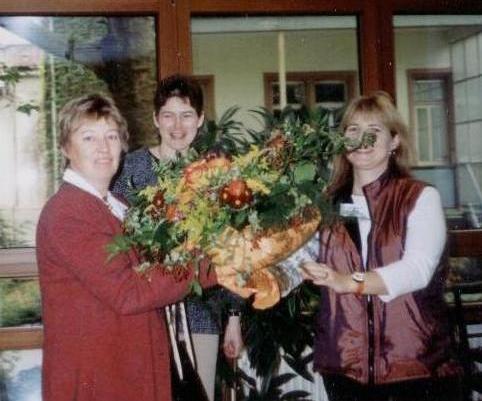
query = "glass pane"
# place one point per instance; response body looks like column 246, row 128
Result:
column 426, row 90
column 465, row 270
column 222, row 47
column 446, row 49
column 20, row 375
column 20, row 302
column 443, row 178
column 330, row 92
column 423, row 134
column 474, row 104
column 439, row 134
column 295, row 93
column 45, row 61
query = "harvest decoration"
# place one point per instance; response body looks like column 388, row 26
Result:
column 246, row 211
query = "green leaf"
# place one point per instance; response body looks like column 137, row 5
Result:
column 163, row 237
column 240, row 219
column 195, row 288
column 27, row 108
column 304, row 172
column 118, row 245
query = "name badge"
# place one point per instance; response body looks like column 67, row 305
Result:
column 352, row 210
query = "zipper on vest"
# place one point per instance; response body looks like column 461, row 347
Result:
column 371, row 341
column 370, row 308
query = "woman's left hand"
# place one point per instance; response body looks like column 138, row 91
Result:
column 321, row 274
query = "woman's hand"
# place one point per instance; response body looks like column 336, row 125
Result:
column 233, row 340
column 321, row 274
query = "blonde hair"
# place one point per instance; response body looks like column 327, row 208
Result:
column 90, row 107
column 381, row 105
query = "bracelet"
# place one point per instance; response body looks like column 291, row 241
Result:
column 234, row 312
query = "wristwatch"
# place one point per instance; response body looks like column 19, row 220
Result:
column 359, row 278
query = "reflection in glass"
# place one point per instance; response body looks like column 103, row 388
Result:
column 428, row 90
column 465, row 269
column 439, row 76
column 45, row 61
column 242, row 54
column 295, row 94
column 330, row 92
column 422, row 130
column 439, row 139
column 20, row 375
column 20, row 302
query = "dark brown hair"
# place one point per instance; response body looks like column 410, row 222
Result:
column 181, row 86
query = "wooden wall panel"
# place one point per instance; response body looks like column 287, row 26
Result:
column 437, row 6
column 30, row 7
column 184, row 38
column 465, row 243
column 275, row 6
column 167, row 39
column 21, row 338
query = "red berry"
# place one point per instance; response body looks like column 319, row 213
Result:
column 158, row 200
column 236, row 194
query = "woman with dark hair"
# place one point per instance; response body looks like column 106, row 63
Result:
column 104, row 337
column 382, row 331
column 178, row 115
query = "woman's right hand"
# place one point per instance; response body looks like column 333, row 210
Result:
column 233, row 339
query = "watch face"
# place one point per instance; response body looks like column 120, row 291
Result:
column 358, row 277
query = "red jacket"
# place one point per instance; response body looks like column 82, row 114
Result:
column 362, row 337
column 105, row 338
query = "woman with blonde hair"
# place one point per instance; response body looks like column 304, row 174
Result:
column 382, row 331
column 104, row 336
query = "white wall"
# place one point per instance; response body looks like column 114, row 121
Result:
column 417, row 50
column 239, row 60
column 22, row 169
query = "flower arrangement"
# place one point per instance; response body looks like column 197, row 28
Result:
column 244, row 211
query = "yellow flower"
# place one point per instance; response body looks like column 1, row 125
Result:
column 257, row 186
column 149, row 192
column 185, row 197
column 249, row 158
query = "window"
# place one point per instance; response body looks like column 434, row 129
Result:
column 328, row 90
column 431, row 115
column 20, row 326
column 243, row 55
column 44, row 62
column 439, row 76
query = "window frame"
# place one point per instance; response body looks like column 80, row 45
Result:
column 207, row 84
column 19, row 263
column 445, row 75
column 309, row 79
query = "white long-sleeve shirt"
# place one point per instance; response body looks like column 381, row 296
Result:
column 424, row 244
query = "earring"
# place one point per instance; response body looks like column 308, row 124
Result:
column 391, row 152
